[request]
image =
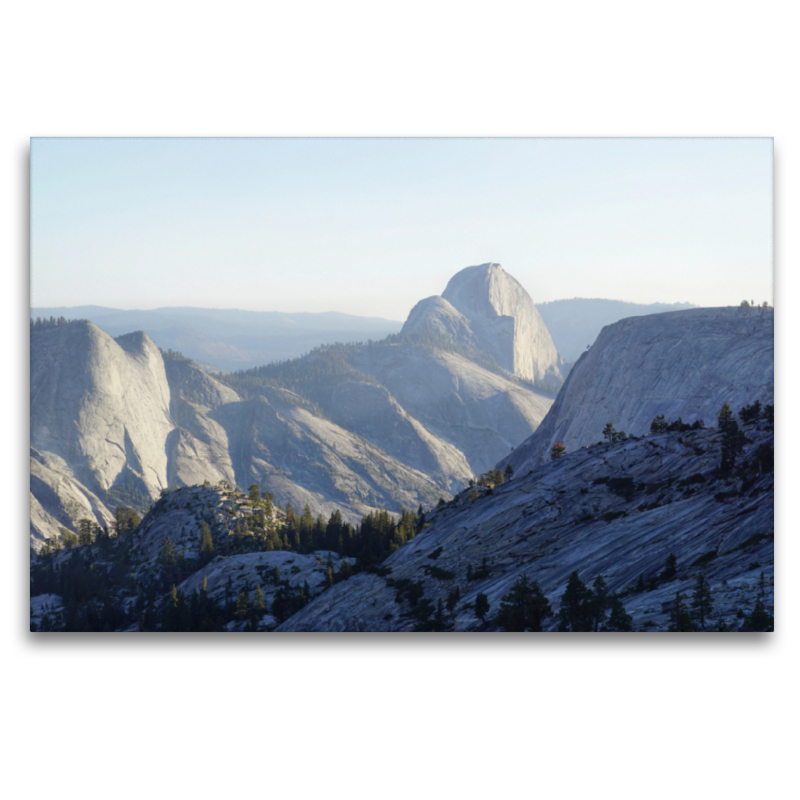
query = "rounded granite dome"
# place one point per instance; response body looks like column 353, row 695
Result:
column 490, row 308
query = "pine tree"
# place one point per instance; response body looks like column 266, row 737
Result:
column 575, row 611
column 619, row 619
column 608, row 432
column 759, row 619
column 680, row 619
column 452, row 599
column 701, row 600
column 509, row 472
column 168, row 557
column 524, row 608
column 670, row 568
column 658, row 425
column 557, row 450
column 725, row 417
column 171, row 611
column 85, row 532
column 439, row 622
column 176, row 616
column 600, row 601
column 733, row 442
column 481, row 606
column 259, row 604
column 228, row 589
column 243, row 605
column 206, row 543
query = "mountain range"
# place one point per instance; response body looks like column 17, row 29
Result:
column 627, row 471
column 230, row 339
column 393, row 424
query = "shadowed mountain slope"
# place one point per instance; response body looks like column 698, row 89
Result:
column 616, row 510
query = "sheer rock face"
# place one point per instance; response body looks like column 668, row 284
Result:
column 485, row 308
column 198, row 448
column 58, row 500
column 102, row 405
column 680, row 364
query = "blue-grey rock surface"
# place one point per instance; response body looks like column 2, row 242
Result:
column 567, row 516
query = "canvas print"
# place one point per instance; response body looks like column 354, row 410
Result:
column 399, row 385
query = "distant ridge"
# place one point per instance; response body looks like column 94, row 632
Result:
column 230, row 339
column 576, row 323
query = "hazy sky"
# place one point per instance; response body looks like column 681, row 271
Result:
column 371, row 226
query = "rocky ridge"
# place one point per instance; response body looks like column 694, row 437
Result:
column 113, row 422
column 179, row 516
column 681, row 364
column 403, row 424
column 616, row 510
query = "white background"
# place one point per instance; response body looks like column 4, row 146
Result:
column 369, row 716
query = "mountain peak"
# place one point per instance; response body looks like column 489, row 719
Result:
column 486, row 307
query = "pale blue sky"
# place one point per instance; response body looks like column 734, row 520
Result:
column 371, row 226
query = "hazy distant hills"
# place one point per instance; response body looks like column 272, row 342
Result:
column 576, row 323
column 230, row 339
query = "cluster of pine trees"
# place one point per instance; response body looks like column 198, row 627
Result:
column 377, row 536
column 695, row 614
column 526, row 608
column 51, row 322
column 174, row 355
column 733, row 437
column 91, row 593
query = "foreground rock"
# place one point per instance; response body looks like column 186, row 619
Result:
column 125, row 582
column 616, row 510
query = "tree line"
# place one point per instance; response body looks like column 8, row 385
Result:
column 51, row 322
